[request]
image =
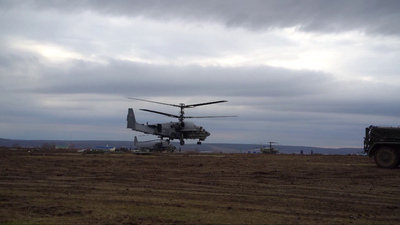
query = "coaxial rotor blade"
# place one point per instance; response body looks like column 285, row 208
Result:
column 206, row 103
column 153, row 102
column 165, row 114
column 180, row 105
column 207, row 116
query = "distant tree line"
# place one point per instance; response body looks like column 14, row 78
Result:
column 49, row 146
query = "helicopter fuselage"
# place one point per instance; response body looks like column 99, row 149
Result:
column 155, row 146
column 172, row 130
column 175, row 130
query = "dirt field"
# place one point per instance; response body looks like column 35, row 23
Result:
column 71, row 188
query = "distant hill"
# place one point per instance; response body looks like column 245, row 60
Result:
column 205, row 147
column 285, row 149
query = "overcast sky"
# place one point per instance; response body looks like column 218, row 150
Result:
column 311, row 72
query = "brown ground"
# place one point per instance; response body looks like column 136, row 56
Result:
column 71, row 188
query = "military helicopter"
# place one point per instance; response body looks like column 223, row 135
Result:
column 154, row 145
column 173, row 130
column 270, row 150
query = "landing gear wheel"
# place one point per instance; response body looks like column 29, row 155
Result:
column 182, row 142
column 386, row 157
column 199, row 143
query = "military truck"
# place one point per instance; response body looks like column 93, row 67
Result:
column 383, row 143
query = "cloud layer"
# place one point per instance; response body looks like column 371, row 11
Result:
column 296, row 72
column 373, row 16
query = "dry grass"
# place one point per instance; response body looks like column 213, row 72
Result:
column 70, row 188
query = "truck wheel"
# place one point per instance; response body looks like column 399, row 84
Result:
column 398, row 161
column 386, row 157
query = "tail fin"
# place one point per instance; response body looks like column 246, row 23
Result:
column 135, row 141
column 131, row 119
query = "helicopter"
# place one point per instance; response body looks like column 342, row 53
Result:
column 155, row 145
column 270, row 150
column 173, row 130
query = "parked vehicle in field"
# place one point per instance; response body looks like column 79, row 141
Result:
column 383, row 143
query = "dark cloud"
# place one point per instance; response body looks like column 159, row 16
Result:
column 372, row 16
column 119, row 77
column 265, row 88
column 379, row 105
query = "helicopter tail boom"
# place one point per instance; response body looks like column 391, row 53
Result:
column 132, row 124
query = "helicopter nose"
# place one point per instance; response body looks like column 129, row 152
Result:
column 207, row 133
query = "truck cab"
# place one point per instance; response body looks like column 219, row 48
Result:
column 383, row 144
